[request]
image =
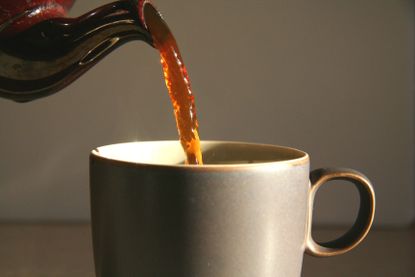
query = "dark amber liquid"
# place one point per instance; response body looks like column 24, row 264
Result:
column 178, row 84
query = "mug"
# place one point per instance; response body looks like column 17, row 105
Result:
column 246, row 212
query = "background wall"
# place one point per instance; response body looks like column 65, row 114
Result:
column 334, row 78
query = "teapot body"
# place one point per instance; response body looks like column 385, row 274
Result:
column 19, row 15
column 45, row 56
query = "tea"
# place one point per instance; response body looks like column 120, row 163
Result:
column 178, row 84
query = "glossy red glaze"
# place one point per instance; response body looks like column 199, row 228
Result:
column 21, row 14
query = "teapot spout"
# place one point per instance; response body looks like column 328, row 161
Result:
column 48, row 56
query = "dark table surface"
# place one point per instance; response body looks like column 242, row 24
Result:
column 61, row 250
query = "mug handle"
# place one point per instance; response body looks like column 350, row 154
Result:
column 364, row 220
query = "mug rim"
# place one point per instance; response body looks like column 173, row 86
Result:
column 301, row 159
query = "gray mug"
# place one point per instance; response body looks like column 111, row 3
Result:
column 246, row 212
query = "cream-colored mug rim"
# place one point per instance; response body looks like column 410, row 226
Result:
column 144, row 153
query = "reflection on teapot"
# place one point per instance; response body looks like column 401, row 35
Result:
column 42, row 51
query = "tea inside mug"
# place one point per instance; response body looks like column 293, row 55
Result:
column 214, row 153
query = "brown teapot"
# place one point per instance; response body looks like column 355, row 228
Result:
column 43, row 51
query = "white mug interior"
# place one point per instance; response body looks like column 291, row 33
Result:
column 215, row 153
